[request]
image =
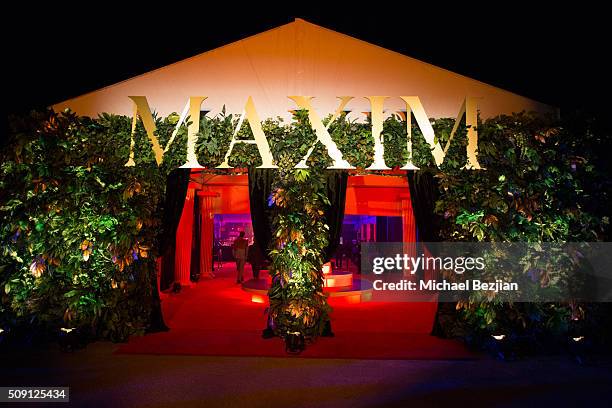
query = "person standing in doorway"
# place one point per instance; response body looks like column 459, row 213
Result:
column 240, row 250
column 339, row 254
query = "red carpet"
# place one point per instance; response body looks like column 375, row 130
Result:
column 215, row 317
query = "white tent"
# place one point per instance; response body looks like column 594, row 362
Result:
column 300, row 58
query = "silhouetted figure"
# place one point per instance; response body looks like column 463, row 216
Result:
column 357, row 254
column 240, row 249
column 217, row 254
column 339, row 254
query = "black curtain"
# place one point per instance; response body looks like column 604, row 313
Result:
column 176, row 190
column 195, row 240
column 260, row 188
column 424, row 192
column 176, row 187
column 334, row 215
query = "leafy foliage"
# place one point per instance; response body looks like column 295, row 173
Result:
column 297, row 301
column 533, row 190
column 79, row 229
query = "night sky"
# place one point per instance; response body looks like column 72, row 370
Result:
column 556, row 56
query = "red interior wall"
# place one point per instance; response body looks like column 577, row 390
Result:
column 366, row 195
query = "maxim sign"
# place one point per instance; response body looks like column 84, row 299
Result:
column 413, row 107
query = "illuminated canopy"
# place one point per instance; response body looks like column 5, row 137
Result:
column 301, row 58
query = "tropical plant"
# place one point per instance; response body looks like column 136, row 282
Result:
column 79, row 229
column 532, row 191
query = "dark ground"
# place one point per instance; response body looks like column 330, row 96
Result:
column 98, row 378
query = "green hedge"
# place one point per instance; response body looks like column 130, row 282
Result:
column 79, row 229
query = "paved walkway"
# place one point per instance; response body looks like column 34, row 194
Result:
column 99, row 378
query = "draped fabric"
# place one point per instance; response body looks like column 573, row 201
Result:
column 408, row 230
column 334, row 214
column 156, row 318
column 196, row 240
column 184, row 241
column 260, row 188
column 424, row 192
column 408, row 221
column 176, row 190
column 336, row 182
column 206, row 233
